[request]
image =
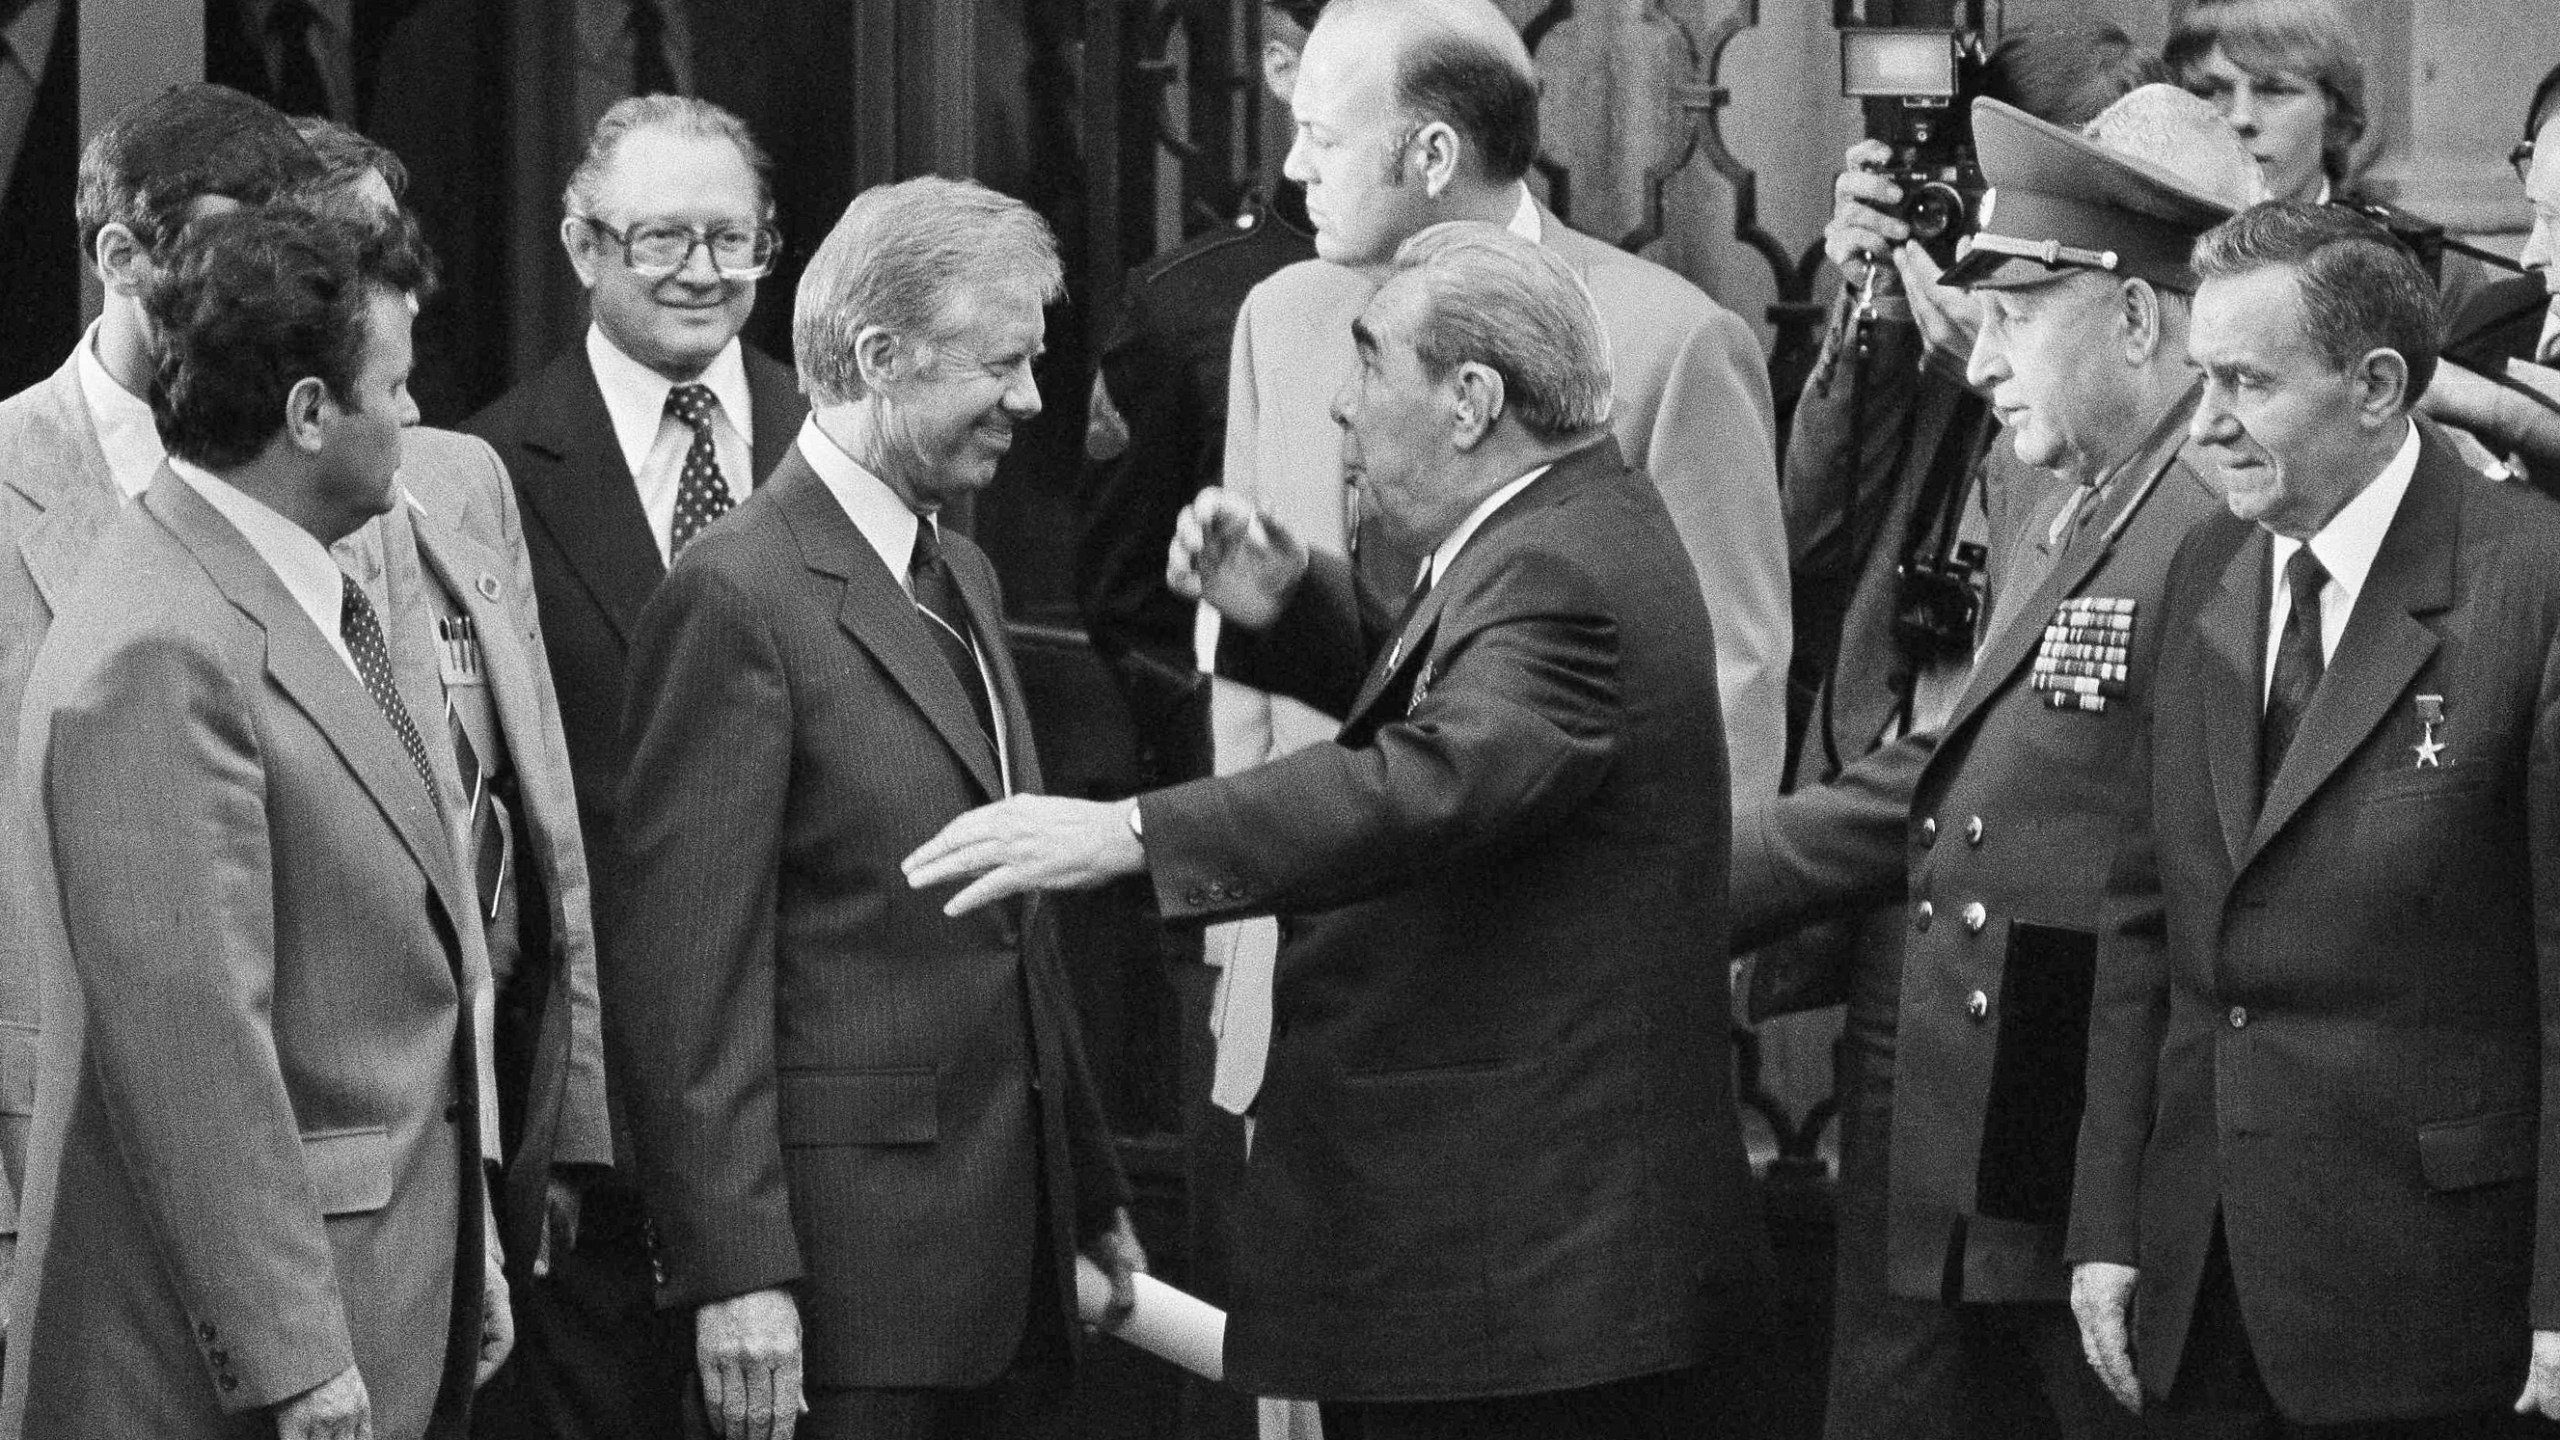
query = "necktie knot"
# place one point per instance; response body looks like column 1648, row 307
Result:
column 693, row 404
column 702, row 492
column 2305, row 577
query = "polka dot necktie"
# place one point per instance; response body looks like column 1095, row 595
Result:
column 362, row 630
column 702, row 496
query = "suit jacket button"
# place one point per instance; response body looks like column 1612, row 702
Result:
column 2239, row 1017
column 1975, row 917
column 1921, row 917
column 1196, row 895
column 1928, row 832
column 230, row 1382
column 1973, row 830
column 205, row 1331
column 1978, row 1006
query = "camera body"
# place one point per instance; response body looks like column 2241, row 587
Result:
column 1916, row 84
column 1937, row 604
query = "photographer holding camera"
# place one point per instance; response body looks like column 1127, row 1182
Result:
column 1991, row 810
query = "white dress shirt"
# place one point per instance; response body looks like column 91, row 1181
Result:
column 1438, row 565
column 295, row 554
column 890, row 528
column 126, row 431
column 2345, row 547
column 653, row 442
column 1524, row 220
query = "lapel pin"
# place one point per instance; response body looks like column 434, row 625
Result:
column 488, row 587
column 2430, row 715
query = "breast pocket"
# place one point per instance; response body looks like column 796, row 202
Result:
column 860, row 1107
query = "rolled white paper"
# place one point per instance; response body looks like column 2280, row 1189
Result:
column 1166, row 1323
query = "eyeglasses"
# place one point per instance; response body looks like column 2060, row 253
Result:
column 2520, row 159
column 657, row 251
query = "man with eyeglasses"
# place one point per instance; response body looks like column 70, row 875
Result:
column 622, row 451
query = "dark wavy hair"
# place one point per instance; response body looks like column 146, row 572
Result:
column 2362, row 290
column 256, row 302
column 159, row 156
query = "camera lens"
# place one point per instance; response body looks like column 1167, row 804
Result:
column 1934, row 210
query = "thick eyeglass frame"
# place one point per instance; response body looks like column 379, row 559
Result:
column 767, row 239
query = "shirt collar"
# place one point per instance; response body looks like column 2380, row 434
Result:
column 635, row 396
column 2347, row 545
column 127, row 434
column 1525, row 220
column 1447, row 554
column 295, row 554
column 875, row 509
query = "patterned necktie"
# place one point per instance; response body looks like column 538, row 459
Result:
column 362, row 630
column 2298, row 666
column 946, row 615
column 702, row 496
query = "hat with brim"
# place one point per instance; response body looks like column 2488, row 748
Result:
column 2061, row 202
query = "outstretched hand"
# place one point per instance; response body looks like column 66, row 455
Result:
column 1241, row 562
column 1028, row 842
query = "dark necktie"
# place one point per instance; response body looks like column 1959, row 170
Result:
column 2298, row 666
column 1412, row 607
column 946, row 616
column 702, row 496
column 361, row 629
column 299, row 90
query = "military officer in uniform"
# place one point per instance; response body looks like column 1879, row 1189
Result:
column 1957, row 1142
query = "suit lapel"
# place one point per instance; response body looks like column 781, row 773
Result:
column 76, row 505
column 2023, row 627
column 2232, row 627
column 878, row 614
column 303, row 665
column 1409, row 649
column 586, row 496
column 475, row 578
column 2384, row 644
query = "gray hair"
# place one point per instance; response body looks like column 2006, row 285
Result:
column 898, row 258
column 677, row 115
column 1497, row 300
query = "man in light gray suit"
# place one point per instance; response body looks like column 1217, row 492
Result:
column 78, row 448
column 254, row 1184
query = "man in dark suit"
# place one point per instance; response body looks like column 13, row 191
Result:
column 1497, row 1187
column 80, row 447
column 866, row 1131
column 602, row 447
column 255, row 1191
column 1988, row 830
column 2316, row 1188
